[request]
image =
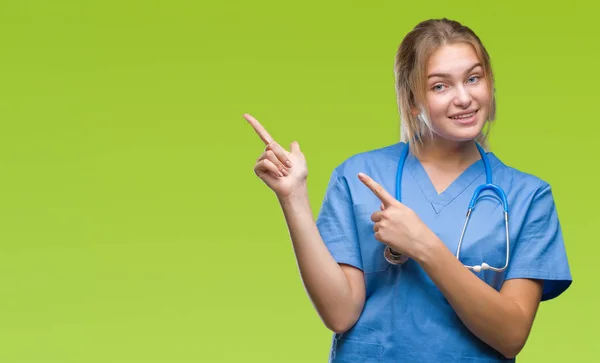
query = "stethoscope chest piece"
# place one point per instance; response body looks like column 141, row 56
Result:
column 394, row 258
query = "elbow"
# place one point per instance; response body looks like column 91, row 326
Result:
column 512, row 347
column 339, row 323
column 511, row 352
column 339, row 327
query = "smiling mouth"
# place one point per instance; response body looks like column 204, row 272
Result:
column 464, row 116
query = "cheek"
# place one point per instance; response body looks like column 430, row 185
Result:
column 438, row 106
column 438, row 109
column 482, row 95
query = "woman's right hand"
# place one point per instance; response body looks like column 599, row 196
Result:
column 283, row 171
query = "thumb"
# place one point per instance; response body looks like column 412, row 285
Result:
column 295, row 147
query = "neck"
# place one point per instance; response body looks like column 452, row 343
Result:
column 447, row 153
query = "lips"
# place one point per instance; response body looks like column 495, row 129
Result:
column 465, row 118
column 464, row 115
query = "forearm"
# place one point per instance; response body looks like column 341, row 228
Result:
column 324, row 280
column 494, row 318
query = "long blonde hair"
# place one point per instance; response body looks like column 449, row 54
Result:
column 411, row 78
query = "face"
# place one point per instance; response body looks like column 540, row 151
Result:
column 458, row 97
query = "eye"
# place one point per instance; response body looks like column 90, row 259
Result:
column 438, row 87
column 473, row 79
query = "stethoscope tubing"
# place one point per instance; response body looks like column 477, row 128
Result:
column 397, row 258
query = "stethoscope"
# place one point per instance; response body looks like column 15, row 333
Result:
column 396, row 258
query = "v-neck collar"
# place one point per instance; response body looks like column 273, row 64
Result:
column 466, row 178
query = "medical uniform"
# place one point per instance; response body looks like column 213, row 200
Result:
column 405, row 317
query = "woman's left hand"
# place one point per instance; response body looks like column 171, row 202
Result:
column 396, row 225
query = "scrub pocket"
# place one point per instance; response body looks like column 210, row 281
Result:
column 370, row 248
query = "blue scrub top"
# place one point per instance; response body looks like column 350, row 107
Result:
column 405, row 317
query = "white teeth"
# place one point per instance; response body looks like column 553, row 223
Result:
column 464, row 116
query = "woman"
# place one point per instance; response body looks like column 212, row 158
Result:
column 408, row 280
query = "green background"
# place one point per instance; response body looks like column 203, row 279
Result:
column 132, row 227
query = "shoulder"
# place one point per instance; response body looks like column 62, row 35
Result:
column 522, row 184
column 370, row 160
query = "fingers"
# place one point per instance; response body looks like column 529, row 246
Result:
column 377, row 216
column 280, row 153
column 260, row 130
column 270, row 155
column 295, row 147
column 386, row 198
column 266, row 166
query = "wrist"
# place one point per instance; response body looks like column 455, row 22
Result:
column 428, row 248
column 296, row 195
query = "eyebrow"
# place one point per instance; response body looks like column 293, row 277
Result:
column 446, row 75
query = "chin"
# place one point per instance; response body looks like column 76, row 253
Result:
column 461, row 135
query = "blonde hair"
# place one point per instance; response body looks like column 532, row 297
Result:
column 411, row 78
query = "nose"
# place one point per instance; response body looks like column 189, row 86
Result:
column 462, row 97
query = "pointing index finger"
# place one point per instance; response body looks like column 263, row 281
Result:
column 260, row 130
column 379, row 191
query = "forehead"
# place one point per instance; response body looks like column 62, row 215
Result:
column 452, row 59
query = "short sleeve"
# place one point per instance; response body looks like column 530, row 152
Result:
column 539, row 252
column 337, row 225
